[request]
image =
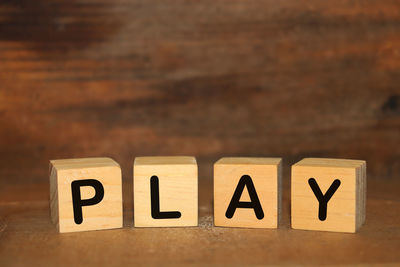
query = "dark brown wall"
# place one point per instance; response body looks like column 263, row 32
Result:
column 204, row 78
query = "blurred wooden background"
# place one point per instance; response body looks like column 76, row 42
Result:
column 217, row 78
column 204, row 78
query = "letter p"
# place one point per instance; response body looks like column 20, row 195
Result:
column 77, row 200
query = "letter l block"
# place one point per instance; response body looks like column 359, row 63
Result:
column 98, row 186
column 165, row 191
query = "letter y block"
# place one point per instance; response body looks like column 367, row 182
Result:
column 328, row 194
column 85, row 194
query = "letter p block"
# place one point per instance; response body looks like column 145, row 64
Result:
column 85, row 194
column 328, row 194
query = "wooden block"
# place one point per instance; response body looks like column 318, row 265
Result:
column 85, row 194
column 247, row 192
column 340, row 185
column 165, row 191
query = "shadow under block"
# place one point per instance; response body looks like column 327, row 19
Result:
column 165, row 192
column 345, row 210
column 265, row 174
column 105, row 214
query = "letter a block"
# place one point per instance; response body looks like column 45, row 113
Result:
column 165, row 191
column 328, row 194
column 85, row 194
column 247, row 192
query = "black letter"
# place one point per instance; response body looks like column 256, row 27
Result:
column 323, row 199
column 78, row 203
column 245, row 180
column 155, row 202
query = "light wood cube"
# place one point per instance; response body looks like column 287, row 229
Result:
column 165, row 191
column 85, row 194
column 328, row 194
column 247, row 192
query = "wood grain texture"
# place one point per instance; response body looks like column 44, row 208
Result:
column 124, row 78
column 345, row 211
column 266, row 177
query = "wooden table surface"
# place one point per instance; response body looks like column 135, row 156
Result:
column 27, row 236
column 212, row 78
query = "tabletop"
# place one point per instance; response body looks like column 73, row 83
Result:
column 28, row 236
